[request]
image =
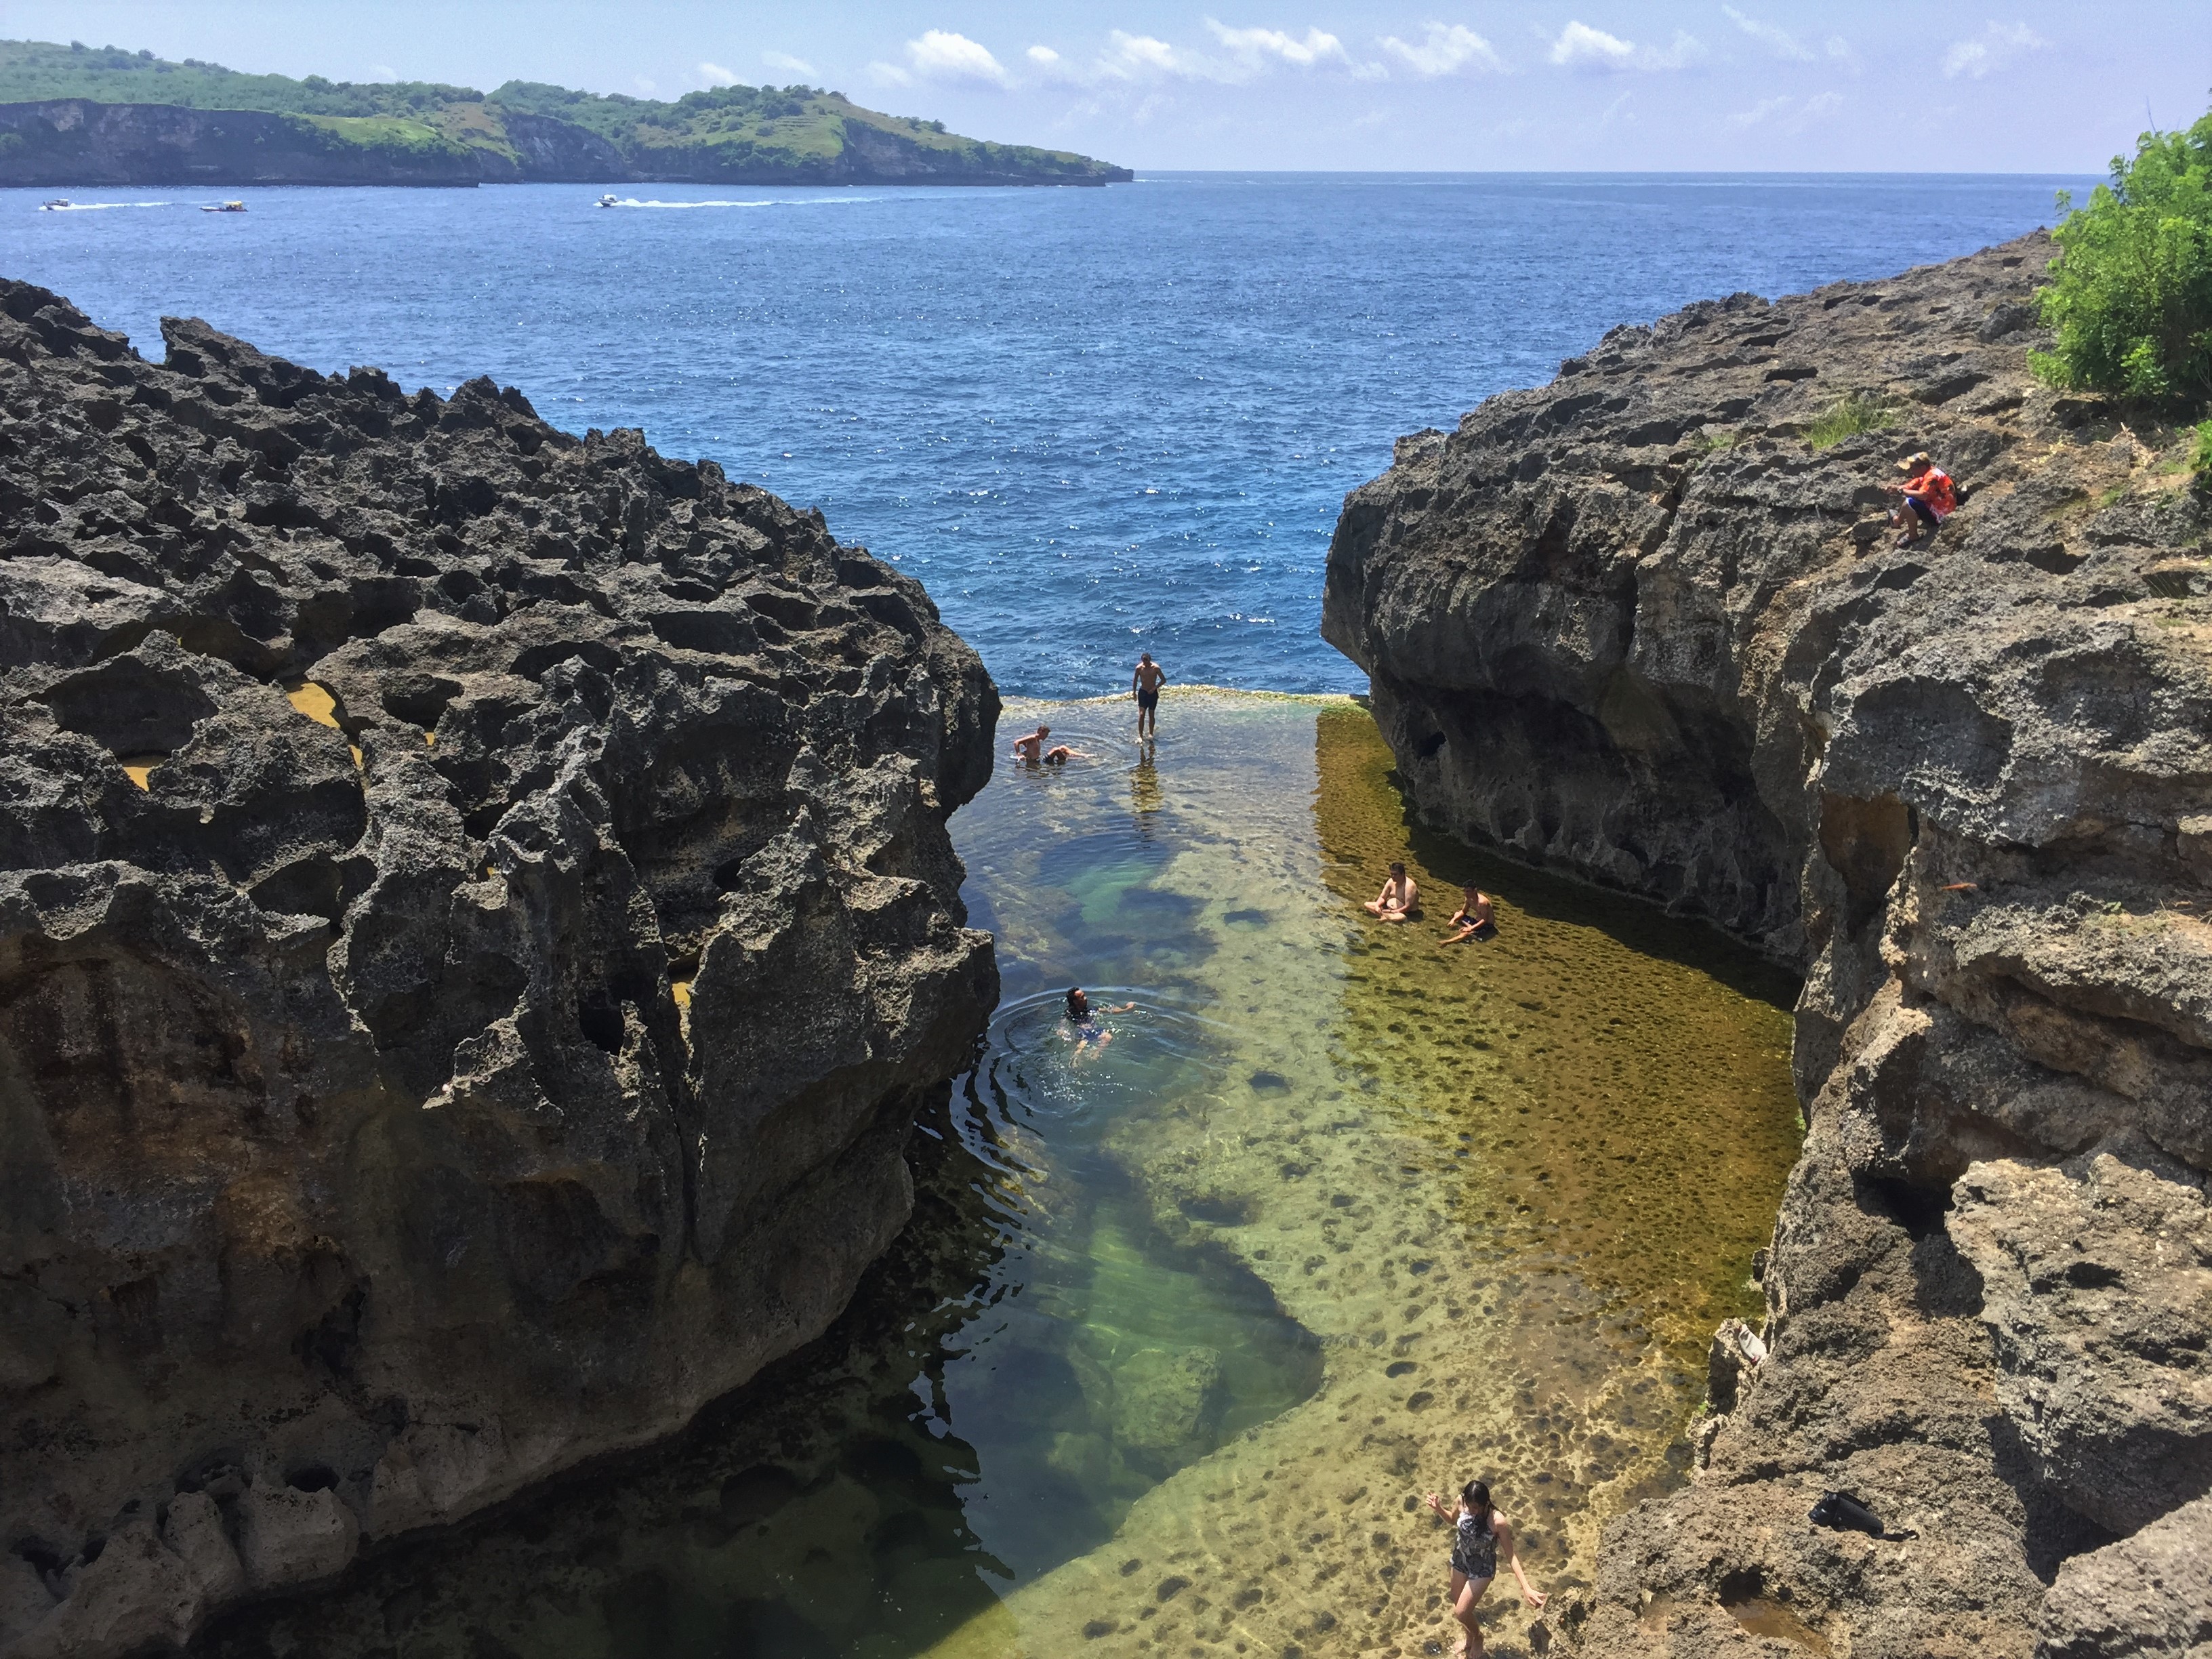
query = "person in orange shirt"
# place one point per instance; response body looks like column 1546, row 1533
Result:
column 1930, row 497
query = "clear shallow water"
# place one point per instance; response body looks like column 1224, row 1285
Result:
column 1092, row 420
column 1183, row 1324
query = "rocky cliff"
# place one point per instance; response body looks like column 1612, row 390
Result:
column 1645, row 624
column 819, row 139
column 477, row 921
column 73, row 141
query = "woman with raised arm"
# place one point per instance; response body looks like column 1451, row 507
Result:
column 1479, row 1536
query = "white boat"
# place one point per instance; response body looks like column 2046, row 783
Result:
column 56, row 205
column 609, row 201
column 225, row 207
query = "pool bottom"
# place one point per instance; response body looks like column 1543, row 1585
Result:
column 1185, row 1324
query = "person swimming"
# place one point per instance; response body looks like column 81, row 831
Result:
column 1479, row 1533
column 1400, row 899
column 1031, row 750
column 1091, row 1032
column 1474, row 918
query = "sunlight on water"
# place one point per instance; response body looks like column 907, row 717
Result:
column 1186, row 1320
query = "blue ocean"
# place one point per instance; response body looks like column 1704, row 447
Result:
column 1091, row 421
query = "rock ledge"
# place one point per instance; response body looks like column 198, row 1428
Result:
column 477, row 921
column 1636, row 625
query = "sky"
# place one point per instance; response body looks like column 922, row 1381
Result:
column 2003, row 86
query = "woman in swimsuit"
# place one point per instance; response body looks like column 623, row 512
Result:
column 1473, row 919
column 1088, row 1032
column 1479, row 1532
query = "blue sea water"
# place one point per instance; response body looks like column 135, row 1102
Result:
column 1092, row 420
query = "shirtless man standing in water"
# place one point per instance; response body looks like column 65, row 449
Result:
column 1146, row 683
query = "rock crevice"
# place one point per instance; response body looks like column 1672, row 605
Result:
column 1647, row 624
column 477, row 921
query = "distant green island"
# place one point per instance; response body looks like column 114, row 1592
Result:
column 77, row 116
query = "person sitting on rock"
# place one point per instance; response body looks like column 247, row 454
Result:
column 1929, row 498
column 1475, row 918
column 1400, row 899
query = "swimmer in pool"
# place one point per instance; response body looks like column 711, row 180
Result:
column 1479, row 1536
column 1473, row 919
column 1030, row 750
column 1089, row 1033
column 1400, row 899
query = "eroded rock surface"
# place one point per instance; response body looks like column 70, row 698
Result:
column 477, row 921
column 1637, row 624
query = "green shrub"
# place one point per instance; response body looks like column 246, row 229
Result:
column 1847, row 417
column 2131, row 300
column 2199, row 454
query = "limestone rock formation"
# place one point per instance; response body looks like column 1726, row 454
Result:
column 477, row 921
column 1647, row 624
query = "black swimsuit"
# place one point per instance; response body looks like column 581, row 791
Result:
column 1475, row 1546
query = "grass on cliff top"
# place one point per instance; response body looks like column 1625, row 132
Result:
column 724, row 127
column 1847, row 417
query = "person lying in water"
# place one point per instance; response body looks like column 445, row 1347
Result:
column 1400, row 899
column 1031, row 749
column 1479, row 1533
column 1089, row 1031
column 1472, row 918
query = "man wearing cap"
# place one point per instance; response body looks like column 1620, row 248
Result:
column 1929, row 498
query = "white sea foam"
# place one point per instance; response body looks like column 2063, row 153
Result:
column 810, row 201
column 96, row 207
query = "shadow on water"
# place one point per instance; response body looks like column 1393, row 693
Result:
column 1030, row 1359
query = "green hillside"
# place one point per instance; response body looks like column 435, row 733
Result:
column 729, row 134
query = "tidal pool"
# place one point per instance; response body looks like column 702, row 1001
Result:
column 1185, row 1322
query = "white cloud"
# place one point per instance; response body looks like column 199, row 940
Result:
column 1617, row 110
column 1445, row 51
column 643, row 84
column 1582, row 48
column 715, row 75
column 889, row 75
column 1787, row 113
column 1765, row 109
column 1141, row 57
column 1245, row 55
column 1317, row 47
column 1995, row 46
column 1679, row 53
column 382, row 72
column 940, row 55
column 784, row 60
column 1841, row 51
column 1776, row 39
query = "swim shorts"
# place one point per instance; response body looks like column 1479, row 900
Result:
column 1929, row 515
column 1148, row 700
column 1488, row 930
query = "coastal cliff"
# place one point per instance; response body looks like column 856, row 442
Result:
column 77, row 116
column 1646, row 624
column 476, row 925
